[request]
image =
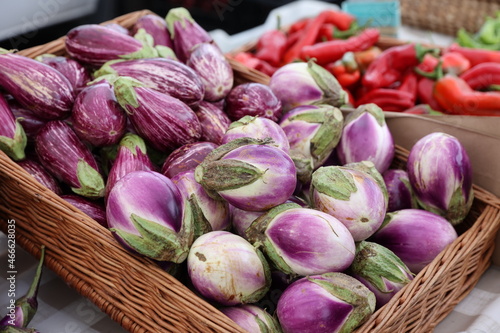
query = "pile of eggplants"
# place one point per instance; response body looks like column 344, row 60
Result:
column 283, row 211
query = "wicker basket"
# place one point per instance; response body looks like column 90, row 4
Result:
column 447, row 16
column 141, row 297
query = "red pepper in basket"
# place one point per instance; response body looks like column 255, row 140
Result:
column 456, row 97
column 454, row 63
column 366, row 57
column 339, row 18
column 331, row 51
column 482, row 76
column 425, row 89
column 475, row 56
column 422, row 109
column 409, row 84
column 271, row 46
column 388, row 99
column 251, row 61
column 389, row 67
column 345, row 70
column 299, row 25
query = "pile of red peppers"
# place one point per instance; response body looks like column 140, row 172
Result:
column 408, row 78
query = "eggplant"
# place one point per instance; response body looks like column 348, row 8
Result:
column 215, row 71
column 29, row 121
column 97, row 116
column 93, row 209
column 13, row 139
column 76, row 73
column 185, row 32
column 186, row 157
column 67, row 158
column 214, row 122
column 252, row 318
column 35, row 169
column 36, row 86
column 164, row 75
column 252, row 99
column 165, row 122
column 117, row 27
column 94, row 45
column 400, row 192
column 155, row 26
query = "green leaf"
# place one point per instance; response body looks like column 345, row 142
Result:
column 91, row 181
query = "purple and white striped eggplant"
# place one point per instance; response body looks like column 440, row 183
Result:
column 29, row 121
column 214, row 122
column 97, row 117
column 21, row 312
column 117, row 27
column 440, row 173
column 131, row 156
column 350, row 195
column 227, row 269
column 257, row 128
column 313, row 132
column 400, row 192
column 93, row 209
column 75, row 72
column 94, row 45
column 36, row 86
column 208, row 214
column 163, row 121
column 380, row 270
column 35, row 169
column 155, row 26
column 416, row 236
column 369, row 168
column 186, row 157
column 327, row 303
column 185, row 32
column 249, row 174
column 214, row 70
column 366, row 137
column 147, row 215
column 304, row 83
column 164, row 75
column 302, row 241
column 68, row 159
column 252, row 318
column 13, row 139
column 252, row 99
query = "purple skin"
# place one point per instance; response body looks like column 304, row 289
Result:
column 383, row 297
column 364, row 139
column 60, row 151
column 185, row 32
column 401, row 194
column 186, row 157
column 214, row 122
column 75, row 72
column 156, row 27
column 416, row 236
column 36, row 86
column 165, row 122
column 94, row 45
column 13, row 139
column 117, row 27
column 440, row 173
column 276, row 185
column 214, row 70
column 93, row 209
column 252, row 99
column 307, row 307
column 227, row 269
column 246, row 317
column 41, row 175
column 30, row 122
column 258, row 128
column 97, row 116
column 164, row 75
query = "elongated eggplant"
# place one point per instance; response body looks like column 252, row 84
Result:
column 30, row 122
column 35, row 169
column 94, row 209
column 12, row 137
column 214, row 122
column 36, row 86
column 165, row 122
column 185, row 32
column 97, row 117
column 186, row 157
column 94, row 45
column 76, row 73
column 68, row 159
column 214, row 70
column 164, row 75
column 156, row 26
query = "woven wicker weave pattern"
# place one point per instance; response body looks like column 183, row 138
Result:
column 447, row 16
column 141, row 297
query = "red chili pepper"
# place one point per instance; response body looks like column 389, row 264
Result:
column 482, row 76
column 299, row 25
column 350, row 98
column 265, row 67
column 345, row 70
column 389, row 67
column 475, row 56
column 339, row 18
column 409, row 84
column 271, row 46
column 422, row 109
column 388, row 99
column 456, row 97
column 428, row 63
column 365, row 58
column 251, row 61
column 425, row 88
column 325, row 33
column 454, row 63
column 293, row 38
column 331, row 51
